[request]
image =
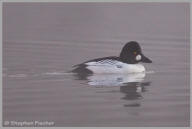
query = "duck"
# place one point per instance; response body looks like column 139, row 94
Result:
column 129, row 61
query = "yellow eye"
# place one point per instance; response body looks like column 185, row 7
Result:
column 135, row 53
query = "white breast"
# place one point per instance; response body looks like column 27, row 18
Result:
column 113, row 66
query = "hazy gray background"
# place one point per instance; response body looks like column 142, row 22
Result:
column 43, row 40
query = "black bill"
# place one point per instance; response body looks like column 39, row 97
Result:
column 145, row 59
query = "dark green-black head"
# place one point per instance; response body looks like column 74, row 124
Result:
column 131, row 53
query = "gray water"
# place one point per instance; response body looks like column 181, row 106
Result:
column 42, row 41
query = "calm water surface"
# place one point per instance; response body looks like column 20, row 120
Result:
column 41, row 42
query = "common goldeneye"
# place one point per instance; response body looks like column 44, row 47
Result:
column 127, row 62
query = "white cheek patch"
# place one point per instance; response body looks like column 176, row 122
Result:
column 138, row 57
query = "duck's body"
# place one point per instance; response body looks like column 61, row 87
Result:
column 109, row 65
column 127, row 62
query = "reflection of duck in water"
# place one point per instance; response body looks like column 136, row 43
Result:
column 127, row 62
column 114, row 79
column 133, row 91
column 131, row 85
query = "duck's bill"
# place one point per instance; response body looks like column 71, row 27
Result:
column 145, row 59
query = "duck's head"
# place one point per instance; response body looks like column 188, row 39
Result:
column 131, row 53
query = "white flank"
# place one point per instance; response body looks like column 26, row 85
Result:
column 111, row 66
